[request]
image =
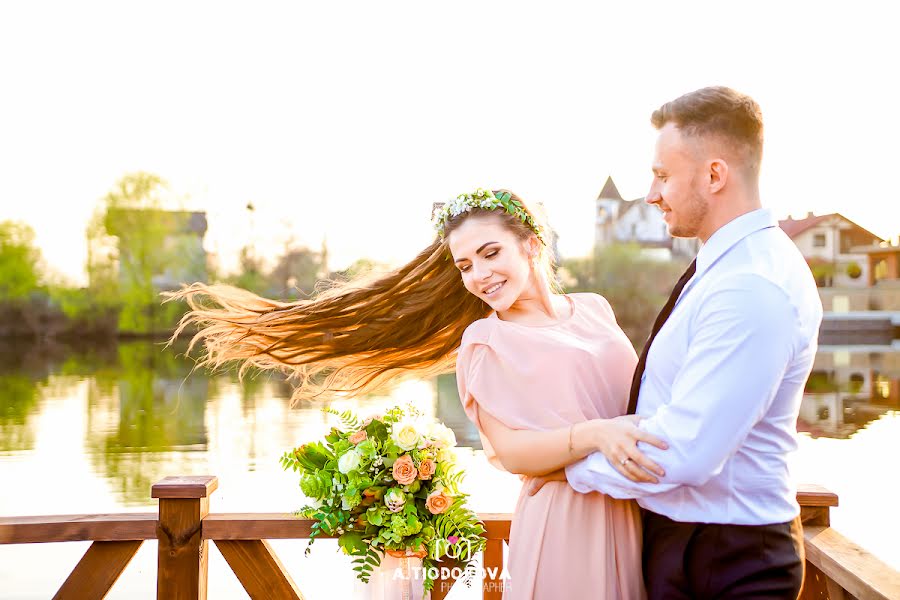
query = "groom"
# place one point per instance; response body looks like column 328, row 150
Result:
column 722, row 375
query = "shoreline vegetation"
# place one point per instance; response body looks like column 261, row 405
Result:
column 141, row 243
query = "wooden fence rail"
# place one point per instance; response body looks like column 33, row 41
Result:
column 836, row 568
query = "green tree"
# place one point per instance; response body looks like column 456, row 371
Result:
column 359, row 267
column 296, row 272
column 132, row 241
column 250, row 275
column 635, row 284
column 19, row 262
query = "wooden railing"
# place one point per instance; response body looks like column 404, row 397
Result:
column 836, row 568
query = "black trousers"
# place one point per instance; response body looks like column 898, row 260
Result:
column 700, row 561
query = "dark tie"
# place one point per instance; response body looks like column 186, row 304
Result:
column 660, row 321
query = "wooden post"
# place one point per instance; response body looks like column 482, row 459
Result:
column 815, row 505
column 815, row 511
column 183, row 553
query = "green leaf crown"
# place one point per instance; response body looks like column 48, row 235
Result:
column 485, row 200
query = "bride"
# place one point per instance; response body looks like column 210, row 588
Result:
column 543, row 375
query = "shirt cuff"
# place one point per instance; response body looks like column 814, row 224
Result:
column 578, row 475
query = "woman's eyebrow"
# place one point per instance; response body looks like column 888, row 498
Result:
column 482, row 247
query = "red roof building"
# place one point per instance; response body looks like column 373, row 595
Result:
column 834, row 246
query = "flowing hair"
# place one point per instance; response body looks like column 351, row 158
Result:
column 353, row 336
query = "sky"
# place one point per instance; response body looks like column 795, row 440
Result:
column 346, row 120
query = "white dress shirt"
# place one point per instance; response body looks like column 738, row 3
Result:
column 723, row 384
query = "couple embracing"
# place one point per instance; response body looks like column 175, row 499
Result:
column 662, row 475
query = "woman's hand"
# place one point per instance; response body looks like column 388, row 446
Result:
column 534, row 484
column 617, row 439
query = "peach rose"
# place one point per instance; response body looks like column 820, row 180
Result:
column 371, row 418
column 437, row 502
column 426, row 469
column 404, row 470
column 358, row 437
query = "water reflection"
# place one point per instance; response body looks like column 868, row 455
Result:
column 144, row 404
column 449, row 410
column 90, row 430
column 849, row 387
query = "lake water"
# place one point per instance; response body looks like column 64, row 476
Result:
column 90, row 430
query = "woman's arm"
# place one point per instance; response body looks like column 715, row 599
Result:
column 535, row 453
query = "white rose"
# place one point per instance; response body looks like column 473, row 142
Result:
column 405, row 434
column 442, row 435
column 349, row 461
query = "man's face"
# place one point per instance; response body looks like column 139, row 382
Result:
column 678, row 174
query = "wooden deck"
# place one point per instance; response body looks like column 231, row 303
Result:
column 837, row 569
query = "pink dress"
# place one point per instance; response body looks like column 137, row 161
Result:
column 563, row 544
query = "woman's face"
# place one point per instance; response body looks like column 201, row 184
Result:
column 493, row 262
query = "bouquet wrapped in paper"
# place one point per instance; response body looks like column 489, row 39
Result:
column 388, row 484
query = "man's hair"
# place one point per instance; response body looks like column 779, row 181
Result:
column 721, row 112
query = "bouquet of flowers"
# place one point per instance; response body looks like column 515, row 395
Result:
column 388, row 484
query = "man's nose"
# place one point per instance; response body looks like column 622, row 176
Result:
column 653, row 196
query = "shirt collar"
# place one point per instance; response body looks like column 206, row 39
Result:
column 730, row 234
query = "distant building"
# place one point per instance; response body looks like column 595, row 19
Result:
column 166, row 245
column 835, row 248
column 634, row 221
column 848, row 389
column 883, row 264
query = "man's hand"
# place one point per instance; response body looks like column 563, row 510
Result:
column 534, row 484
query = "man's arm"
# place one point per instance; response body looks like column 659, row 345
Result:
column 742, row 341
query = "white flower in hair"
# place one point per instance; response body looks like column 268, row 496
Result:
column 457, row 207
column 487, row 200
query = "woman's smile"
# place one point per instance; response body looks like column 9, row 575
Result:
column 494, row 288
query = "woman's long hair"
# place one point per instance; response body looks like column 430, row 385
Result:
column 354, row 336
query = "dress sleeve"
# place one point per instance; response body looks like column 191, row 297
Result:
column 479, row 376
column 605, row 306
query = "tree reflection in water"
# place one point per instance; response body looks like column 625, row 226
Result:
column 147, row 415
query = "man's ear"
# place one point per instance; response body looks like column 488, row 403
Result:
column 718, row 175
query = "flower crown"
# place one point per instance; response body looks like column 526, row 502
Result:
column 486, row 200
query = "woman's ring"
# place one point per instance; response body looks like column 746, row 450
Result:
column 625, row 460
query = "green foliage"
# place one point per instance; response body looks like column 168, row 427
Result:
column 635, row 285
column 251, row 273
column 348, row 418
column 365, row 561
column 354, row 493
column 823, row 271
column 132, row 241
column 312, row 456
column 19, row 261
column 821, row 382
column 359, row 268
column 459, row 521
column 295, row 273
column 485, row 200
